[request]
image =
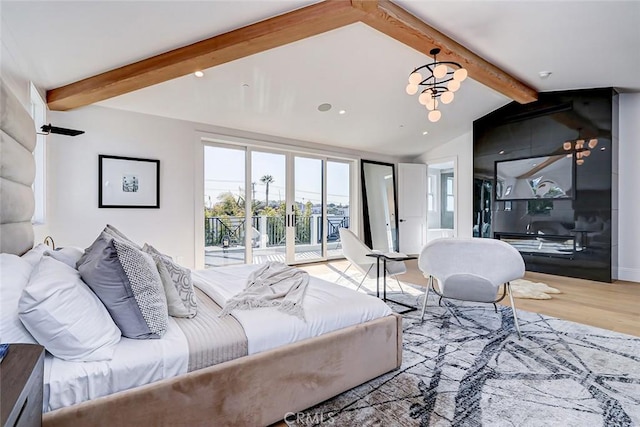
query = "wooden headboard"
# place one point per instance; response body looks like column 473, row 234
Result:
column 17, row 171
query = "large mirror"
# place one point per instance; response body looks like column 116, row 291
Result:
column 379, row 200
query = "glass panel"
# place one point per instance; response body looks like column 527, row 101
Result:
column 431, row 205
column 308, row 208
column 450, row 206
column 337, row 204
column 268, row 174
column 224, row 193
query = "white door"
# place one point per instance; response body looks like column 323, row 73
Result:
column 412, row 206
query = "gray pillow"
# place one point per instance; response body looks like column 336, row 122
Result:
column 128, row 284
column 177, row 282
column 119, row 235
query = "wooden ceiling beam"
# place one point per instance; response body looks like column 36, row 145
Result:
column 264, row 35
column 312, row 20
column 401, row 25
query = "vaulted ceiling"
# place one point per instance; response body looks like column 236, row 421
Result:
column 353, row 55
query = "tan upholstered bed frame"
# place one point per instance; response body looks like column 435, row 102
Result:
column 250, row 391
column 255, row 390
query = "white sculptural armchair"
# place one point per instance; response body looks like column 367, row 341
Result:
column 355, row 251
column 471, row 270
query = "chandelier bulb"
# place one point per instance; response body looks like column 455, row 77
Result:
column 447, row 97
column 579, row 155
column 586, row 153
column 592, row 143
column 460, row 75
column 434, row 115
column 567, row 146
column 440, row 71
column 415, row 78
column 580, row 161
column 412, row 89
column 424, row 97
column 453, row 85
column 432, row 104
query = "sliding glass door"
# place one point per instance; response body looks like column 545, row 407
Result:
column 268, row 201
column 265, row 205
column 224, row 206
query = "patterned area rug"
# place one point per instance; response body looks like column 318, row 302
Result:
column 477, row 373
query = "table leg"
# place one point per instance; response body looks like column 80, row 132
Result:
column 384, row 272
column 378, row 277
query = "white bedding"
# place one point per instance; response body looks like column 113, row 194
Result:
column 327, row 307
column 134, row 363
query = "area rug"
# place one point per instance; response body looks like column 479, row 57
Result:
column 465, row 366
column 523, row 288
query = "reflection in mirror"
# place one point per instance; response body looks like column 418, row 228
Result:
column 547, row 177
column 379, row 200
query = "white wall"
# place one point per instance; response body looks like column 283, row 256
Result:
column 462, row 149
column 73, row 215
column 628, row 183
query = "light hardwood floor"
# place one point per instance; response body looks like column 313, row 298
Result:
column 613, row 306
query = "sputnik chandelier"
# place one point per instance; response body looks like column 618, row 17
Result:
column 578, row 146
column 439, row 83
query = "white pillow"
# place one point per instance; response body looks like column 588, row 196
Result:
column 33, row 256
column 65, row 316
column 14, row 276
column 69, row 255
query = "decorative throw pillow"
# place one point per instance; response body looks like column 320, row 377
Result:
column 127, row 282
column 14, row 276
column 177, row 282
column 64, row 315
column 119, row 235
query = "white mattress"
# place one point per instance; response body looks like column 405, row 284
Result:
column 327, row 307
column 134, row 363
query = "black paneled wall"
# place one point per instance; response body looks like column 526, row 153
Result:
column 564, row 237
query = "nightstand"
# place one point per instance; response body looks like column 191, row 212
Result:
column 21, row 374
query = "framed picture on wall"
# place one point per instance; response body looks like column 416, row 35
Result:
column 128, row 182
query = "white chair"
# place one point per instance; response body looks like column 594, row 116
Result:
column 471, row 270
column 355, row 251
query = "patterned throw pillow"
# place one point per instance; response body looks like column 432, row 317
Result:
column 177, row 282
column 127, row 282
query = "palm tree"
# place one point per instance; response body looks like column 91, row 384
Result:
column 267, row 179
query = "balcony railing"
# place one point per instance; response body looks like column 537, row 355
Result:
column 269, row 231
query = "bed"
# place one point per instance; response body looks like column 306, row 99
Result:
column 273, row 378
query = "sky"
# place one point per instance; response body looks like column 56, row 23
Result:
column 225, row 171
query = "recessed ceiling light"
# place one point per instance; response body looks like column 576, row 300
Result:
column 324, row 107
column 544, row 74
column 342, row 112
column 534, row 164
column 501, row 152
column 199, row 73
column 425, row 132
column 603, row 148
